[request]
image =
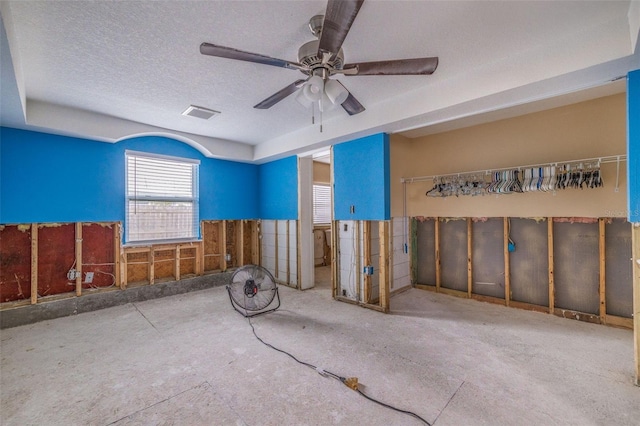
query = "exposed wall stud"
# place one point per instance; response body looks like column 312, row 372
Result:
column 240, row 244
column 78, row 258
column 176, row 267
column 603, row 270
column 383, row 230
column 358, row 266
column 335, row 263
column 469, row 257
column 288, row 257
column 116, row 254
column 276, row 248
column 223, row 246
column 34, row 263
column 551, row 278
column 299, row 256
column 367, row 259
column 437, row 253
column 507, row 265
column 635, row 244
column 152, row 270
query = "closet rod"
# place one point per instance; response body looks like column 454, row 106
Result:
column 602, row 160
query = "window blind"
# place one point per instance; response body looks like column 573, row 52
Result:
column 321, row 204
column 161, row 198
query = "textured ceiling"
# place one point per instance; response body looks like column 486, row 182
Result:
column 107, row 70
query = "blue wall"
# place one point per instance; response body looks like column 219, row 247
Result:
column 49, row 178
column 633, row 146
column 278, row 189
column 361, row 179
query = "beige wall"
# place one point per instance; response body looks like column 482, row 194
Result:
column 321, row 173
column 588, row 129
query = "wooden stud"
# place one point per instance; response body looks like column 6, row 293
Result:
column 383, row 230
column 78, row 258
column 276, row 248
column 635, row 244
column 223, row 245
column 469, row 257
column 123, row 270
column 152, row 271
column 603, row 270
column 299, row 256
column 367, row 259
column 437, row 253
column 507, row 264
column 34, row 263
column 256, row 258
column 199, row 256
column 200, row 259
column 413, row 250
column 240, row 243
column 288, row 254
column 116, row 254
column 176, row 267
column 335, row 261
column 551, row 279
column 358, row 266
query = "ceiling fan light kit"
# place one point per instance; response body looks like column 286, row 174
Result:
column 320, row 59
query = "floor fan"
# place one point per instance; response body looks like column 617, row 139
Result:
column 253, row 291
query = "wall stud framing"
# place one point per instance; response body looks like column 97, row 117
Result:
column 240, row 239
column 152, row 268
column 469, row 257
column 289, row 255
column 383, row 230
column 602, row 283
column 223, row 246
column 358, row 275
column 436, row 223
column 299, row 256
column 34, row 263
column 275, row 224
column 78, row 258
column 635, row 244
column 116, row 255
column 507, row 265
column 551, row 278
column 176, row 267
column 366, row 235
column 334, row 258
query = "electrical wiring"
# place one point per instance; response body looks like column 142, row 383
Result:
column 351, row 382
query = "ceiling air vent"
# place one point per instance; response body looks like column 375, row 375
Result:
column 200, row 112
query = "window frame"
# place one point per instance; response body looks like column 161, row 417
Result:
column 194, row 198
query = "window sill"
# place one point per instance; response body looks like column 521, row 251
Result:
column 138, row 244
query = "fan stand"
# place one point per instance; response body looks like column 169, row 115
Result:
column 247, row 313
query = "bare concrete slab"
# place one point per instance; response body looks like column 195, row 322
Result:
column 190, row 359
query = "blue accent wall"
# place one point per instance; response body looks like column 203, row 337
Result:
column 633, row 146
column 361, row 179
column 50, row 178
column 278, row 189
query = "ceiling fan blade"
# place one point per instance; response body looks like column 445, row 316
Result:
column 338, row 18
column 417, row 66
column 280, row 95
column 351, row 104
column 231, row 53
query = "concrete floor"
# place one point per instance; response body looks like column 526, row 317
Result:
column 191, row 360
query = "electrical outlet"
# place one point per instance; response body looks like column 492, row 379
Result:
column 88, row 278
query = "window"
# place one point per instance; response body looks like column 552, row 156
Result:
column 162, row 198
column 321, row 204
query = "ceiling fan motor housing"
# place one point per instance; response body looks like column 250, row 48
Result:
column 308, row 56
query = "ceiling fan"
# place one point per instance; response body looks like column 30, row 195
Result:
column 322, row 58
